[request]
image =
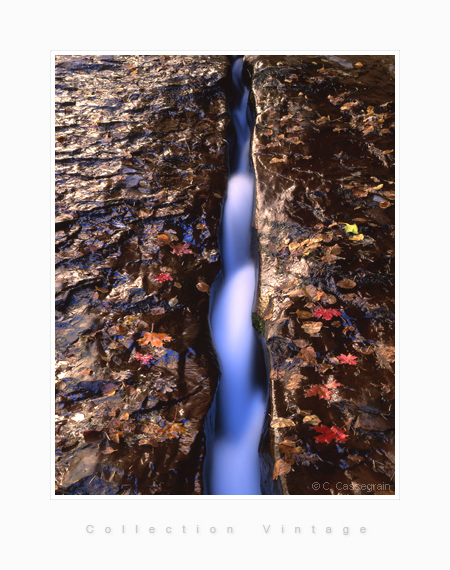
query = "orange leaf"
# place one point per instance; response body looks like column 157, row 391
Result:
column 155, row 339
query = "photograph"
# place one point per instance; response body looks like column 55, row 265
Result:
column 225, row 274
column 223, row 228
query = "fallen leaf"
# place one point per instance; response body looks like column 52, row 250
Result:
column 109, row 389
column 158, row 311
column 349, row 359
column 333, row 384
column 281, row 423
column 163, row 277
column 308, row 355
column 312, row 327
column 313, row 419
column 351, row 228
column 280, row 468
column 108, row 450
column 323, row 367
column 346, row 283
column 349, row 105
column 181, row 249
column 318, row 390
column 329, row 434
column 326, row 314
column 154, row 338
column 143, row 358
column 358, row 237
column 297, row 293
column 163, row 238
column 295, row 381
column 360, row 192
column 203, row 287
column 304, row 314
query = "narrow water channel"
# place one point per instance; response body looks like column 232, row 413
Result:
column 237, row 416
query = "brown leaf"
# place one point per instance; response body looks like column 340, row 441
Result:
column 108, row 450
column 312, row 419
column 109, row 389
column 158, row 311
column 346, row 283
column 312, row 327
column 308, row 355
column 115, row 436
column 280, row 468
column 203, row 287
column 304, row 314
column 297, row 293
column 281, row 423
column 349, row 105
column 295, row 381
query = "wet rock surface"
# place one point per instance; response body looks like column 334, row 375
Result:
column 140, row 175
column 323, row 152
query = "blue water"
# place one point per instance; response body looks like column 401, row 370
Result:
column 241, row 398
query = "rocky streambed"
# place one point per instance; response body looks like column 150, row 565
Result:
column 141, row 171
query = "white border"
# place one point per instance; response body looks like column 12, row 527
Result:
column 403, row 533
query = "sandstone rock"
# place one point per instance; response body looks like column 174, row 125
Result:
column 322, row 150
column 140, row 153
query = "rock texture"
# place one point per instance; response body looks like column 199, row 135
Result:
column 323, row 152
column 140, row 176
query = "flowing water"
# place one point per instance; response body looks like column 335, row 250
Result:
column 241, row 398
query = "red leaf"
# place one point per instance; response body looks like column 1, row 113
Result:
column 349, row 359
column 327, row 314
column 318, row 390
column 163, row 277
column 181, row 249
column 143, row 358
column 329, row 434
